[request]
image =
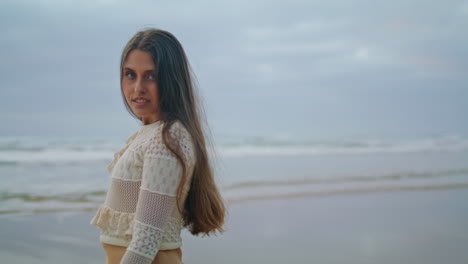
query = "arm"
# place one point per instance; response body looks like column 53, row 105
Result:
column 156, row 202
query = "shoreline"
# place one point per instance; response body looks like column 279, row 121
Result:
column 424, row 226
column 279, row 195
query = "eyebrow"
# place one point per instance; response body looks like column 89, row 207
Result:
column 147, row 71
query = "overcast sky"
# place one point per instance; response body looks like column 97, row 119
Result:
column 283, row 69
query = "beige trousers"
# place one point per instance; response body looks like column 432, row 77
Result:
column 115, row 253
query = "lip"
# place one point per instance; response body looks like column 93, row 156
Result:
column 139, row 103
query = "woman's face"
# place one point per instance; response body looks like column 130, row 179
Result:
column 139, row 86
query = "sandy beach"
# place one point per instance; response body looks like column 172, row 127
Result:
column 391, row 227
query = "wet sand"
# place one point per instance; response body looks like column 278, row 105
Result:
column 428, row 226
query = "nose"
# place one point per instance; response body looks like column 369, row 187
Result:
column 139, row 86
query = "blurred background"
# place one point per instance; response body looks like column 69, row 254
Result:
column 310, row 100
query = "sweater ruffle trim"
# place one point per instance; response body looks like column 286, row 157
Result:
column 113, row 222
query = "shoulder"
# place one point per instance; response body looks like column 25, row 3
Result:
column 179, row 132
column 182, row 137
column 178, row 135
column 131, row 138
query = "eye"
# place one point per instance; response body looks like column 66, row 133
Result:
column 130, row 74
column 151, row 77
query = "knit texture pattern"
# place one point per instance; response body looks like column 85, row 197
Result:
column 140, row 210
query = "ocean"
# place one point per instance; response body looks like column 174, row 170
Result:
column 40, row 174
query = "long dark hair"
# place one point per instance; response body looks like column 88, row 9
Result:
column 203, row 210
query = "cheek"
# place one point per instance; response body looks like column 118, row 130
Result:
column 155, row 92
column 126, row 93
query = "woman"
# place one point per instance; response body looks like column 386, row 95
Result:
column 161, row 180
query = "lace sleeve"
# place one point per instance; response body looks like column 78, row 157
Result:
column 156, row 201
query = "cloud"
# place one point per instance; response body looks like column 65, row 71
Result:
column 63, row 55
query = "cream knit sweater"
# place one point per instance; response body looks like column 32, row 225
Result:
column 140, row 210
